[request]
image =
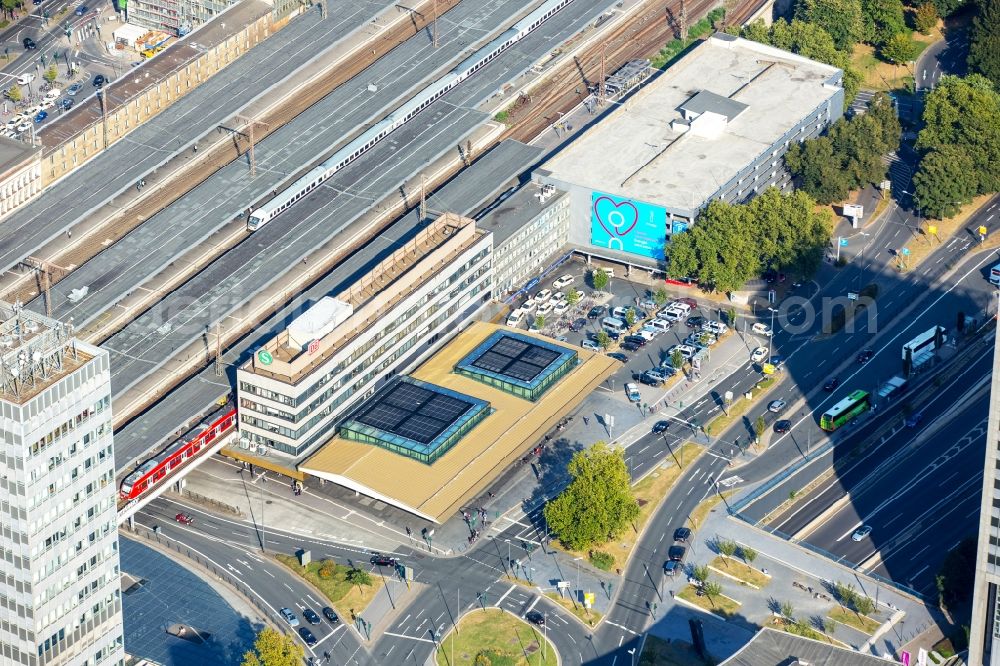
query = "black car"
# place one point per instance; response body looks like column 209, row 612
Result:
column 682, row 534
column 637, row 339
column 650, row 379
column 29, row 44
column 578, row 325
column 535, row 618
column 695, row 321
column 307, row 636
column 66, row 104
column 782, row 426
column 380, row 560
column 330, row 615
column 831, row 384
column 677, row 553
column 618, row 356
column 597, row 312
column 630, row 346
column 310, row 615
column 661, row 426
column 671, row 567
column 99, row 80
column 866, row 355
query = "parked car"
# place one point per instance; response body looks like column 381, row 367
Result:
column 632, row 392
column 561, row 308
column 41, row 116
column 782, row 426
column 330, row 615
column 545, row 308
column 636, row 339
column 696, row 321
column 688, row 301
column 661, row 426
column 671, row 567
column 861, row 533
column 714, row 327
column 590, row 344
column 381, row 560
column 831, row 384
column 618, row 356
column 761, row 329
column 529, row 305
column 677, row 553
column 687, row 351
column 776, row 406
column 307, row 636
column 289, row 617
column 564, row 281
column 651, row 379
column 597, row 312
column 66, row 104
column 535, row 617
column 578, row 325
column 866, row 355
column 758, row 354
column 682, row 534
column 672, row 314
column 184, row 519
column 74, row 89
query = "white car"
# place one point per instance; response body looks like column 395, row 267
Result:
column 649, row 331
column 23, row 127
column 687, row 351
column 529, row 305
column 558, row 296
column 561, row 308
column 543, row 295
column 758, row 354
column 672, row 314
column 47, row 104
column 680, row 305
column 545, row 308
column 564, row 281
column 761, row 329
column 715, row 327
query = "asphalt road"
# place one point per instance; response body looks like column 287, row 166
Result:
column 946, row 56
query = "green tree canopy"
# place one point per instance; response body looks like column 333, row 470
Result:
column 898, row 49
column 273, row 648
column 945, row 181
column 14, row 93
column 841, row 19
column 984, row 47
column 925, row 17
column 882, row 20
column 965, row 113
column 948, row 7
column 600, row 278
column 957, row 574
column 598, row 504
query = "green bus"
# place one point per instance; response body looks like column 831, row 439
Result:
column 858, row 402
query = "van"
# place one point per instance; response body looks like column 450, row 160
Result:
column 515, row 318
column 613, row 324
column 646, row 334
column 661, row 325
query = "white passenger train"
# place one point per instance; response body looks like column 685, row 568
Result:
column 316, row 176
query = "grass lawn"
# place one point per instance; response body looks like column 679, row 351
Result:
column 588, row 617
column 658, row 652
column 863, row 623
column 649, row 493
column 740, row 406
column 879, row 75
column 740, row 570
column 343, row 596
column 495, row 632
column 721, row 605
column 807, row 632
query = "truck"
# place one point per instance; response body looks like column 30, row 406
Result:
column 892, row 388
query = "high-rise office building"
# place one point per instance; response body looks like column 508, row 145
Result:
column 60, row 596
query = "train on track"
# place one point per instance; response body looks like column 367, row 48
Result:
column 364, row 142
column 152, row 471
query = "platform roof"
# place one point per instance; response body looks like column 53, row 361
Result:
column 435, row 491
column 638, row 151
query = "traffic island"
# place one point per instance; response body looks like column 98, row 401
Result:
column 717, row 604
column 588, row 616
column 349, row 593
column 492, row 636
column 739, row 571
column 862, row 623
column 801, row 628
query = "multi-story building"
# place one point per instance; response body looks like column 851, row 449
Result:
column 712, row 127
column 984, row 632
column 529, row 227
column 292, row 389
column 60, row 594
column 178, row 17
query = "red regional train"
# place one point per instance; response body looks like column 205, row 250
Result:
column 154, row 470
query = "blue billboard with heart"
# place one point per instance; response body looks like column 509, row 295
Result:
column 630, row 226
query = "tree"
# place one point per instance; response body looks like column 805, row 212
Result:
column 841, row 19
column 946, row 8
column 677, row 359
column 727, row 548
column 359, row 577
column 539, row 322
column 630, row 317
column 51, row 74
column 846, row 594
column 787, row 611
column 598, row 504
column 748, row 554
column 603, row 339
column 572, row 296
column 829, row 626
column 731, row 317
column 700, row 573
column 9, row 6
column 712, row 589
column 600, row 278
column 945, row 180
column 819, row 168
column 273, row 648
column 863, row 605
column 956, row 576
column 327, row 569
column 759, row 426
column 14, row 93
column 882, row 20
column 925, row 17
column 899, row 49
column 984, row 47
column 660, row 297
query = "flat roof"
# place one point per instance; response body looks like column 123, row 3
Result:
column 770, row 647
column 511, row 212
column 638, row 151
column 414, row 418
column 14, row 154
column 435, row 491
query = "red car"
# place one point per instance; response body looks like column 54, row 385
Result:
column 184, row 519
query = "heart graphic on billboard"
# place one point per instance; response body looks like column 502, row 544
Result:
column 616, row 218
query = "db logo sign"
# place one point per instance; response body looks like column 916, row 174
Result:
column 313, row 346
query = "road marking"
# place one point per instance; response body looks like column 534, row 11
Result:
column 622, row 627
column 914, row 555
column 533, row 603
column 920, row 571
column 412, row 638
column 504, row 596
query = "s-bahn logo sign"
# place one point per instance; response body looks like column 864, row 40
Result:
column 264, row 357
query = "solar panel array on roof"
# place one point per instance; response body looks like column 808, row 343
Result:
column 515, row 358
column 413, row 412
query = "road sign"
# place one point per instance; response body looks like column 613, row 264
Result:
column 843, row 242
column 265, row 357
column 905, row 251
column 922, row 657
column 904, row 658
column 609, row 419
column 886, row 185
column 852, row 296
column 982, row 230
column 728, row 395
column 588, row 599
column 562, row 585
column 767, row 369
column 932, row 229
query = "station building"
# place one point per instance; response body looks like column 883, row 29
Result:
column 714, row 126
column 341, row 348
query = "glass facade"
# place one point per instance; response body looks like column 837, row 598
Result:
column 528, row 388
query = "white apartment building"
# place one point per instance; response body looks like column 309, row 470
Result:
column 294, row 387
column 529, row 227
column 60, row 595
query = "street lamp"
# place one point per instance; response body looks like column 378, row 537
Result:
column 632, row 655
column 774, row 337
column 862, row 256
